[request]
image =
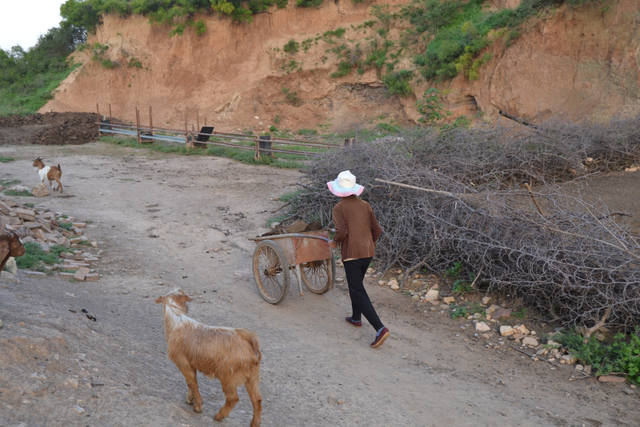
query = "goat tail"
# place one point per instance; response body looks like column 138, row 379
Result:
column 59, row 168
column 253, row 341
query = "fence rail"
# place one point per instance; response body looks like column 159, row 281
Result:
column 261, row 145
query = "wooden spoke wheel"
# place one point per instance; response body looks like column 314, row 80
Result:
column 318, row 276
column 271, row 271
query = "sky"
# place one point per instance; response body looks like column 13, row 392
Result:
column 23, row 21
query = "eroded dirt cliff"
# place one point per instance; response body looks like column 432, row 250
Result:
column 582, row 62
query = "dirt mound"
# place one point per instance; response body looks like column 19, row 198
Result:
column 48, row 129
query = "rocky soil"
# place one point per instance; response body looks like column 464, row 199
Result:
column 156, row 218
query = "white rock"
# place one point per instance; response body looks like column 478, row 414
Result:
column 531, row 341
column 11, row 266
column 393, row 284
column 482, row 327
column 521, row 329
column 432, row 295
column 449, row 300
column 579, row 368
column 568, row 358
column 381, row 283
column 79, row 410
column 506, row 331
column 486, row 300
column 552, row 343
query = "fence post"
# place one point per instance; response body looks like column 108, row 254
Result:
column 138, row 124
column 256, row 154
column 99, row 120
column 265, row 144
column 110, row 118
column 186, row 133
column 150, row 121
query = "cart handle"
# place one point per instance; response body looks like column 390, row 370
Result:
column 282, row 236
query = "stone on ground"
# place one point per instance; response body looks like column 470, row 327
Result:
column 505, row 331
column 40, row 190
column 502, row 313
column 432, row 295
column 482, row 327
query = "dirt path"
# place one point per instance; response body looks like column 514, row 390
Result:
column 317, row 370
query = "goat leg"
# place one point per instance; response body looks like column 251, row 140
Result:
column 255, row 396
column 193, row 395
column 59, row 186
column 231, row 394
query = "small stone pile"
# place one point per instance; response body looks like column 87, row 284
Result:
column 46, row 228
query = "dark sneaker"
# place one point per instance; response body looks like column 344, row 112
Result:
column 382, row 336
column 357, row 324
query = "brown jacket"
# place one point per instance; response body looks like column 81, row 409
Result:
column 357, row 228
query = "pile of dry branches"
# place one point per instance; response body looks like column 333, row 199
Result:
column 558, row 247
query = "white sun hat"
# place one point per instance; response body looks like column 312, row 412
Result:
column 345, row 185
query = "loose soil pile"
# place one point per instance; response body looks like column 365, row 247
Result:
column 48, row 129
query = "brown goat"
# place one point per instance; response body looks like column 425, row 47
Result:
column 10, row 246
column 230, row 355
column 51, row 173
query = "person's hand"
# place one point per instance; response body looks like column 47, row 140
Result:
column 332, row 244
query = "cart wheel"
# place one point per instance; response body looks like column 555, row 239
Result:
column 271, row 271
column 318, row 275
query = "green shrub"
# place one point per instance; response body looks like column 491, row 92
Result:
column 307, row 132
column 35, row 258
column 344, row 68
column 291, row 47
column 6, row 159
column 431, row 110
column 308, row 3
column 620, row 355
column 398, row 82
column 306, row 45
column 134, row 62
column 291, row 97
column 66, row 226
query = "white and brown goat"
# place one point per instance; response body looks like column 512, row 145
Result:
column 51, row 173
column 231, row 355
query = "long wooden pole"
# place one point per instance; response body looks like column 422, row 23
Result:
column 110, row 119
column 151, row 119
column 413, row 187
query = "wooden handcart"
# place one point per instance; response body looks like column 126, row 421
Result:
column 308, row 254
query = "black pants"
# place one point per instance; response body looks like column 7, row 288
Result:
column 360, row 302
